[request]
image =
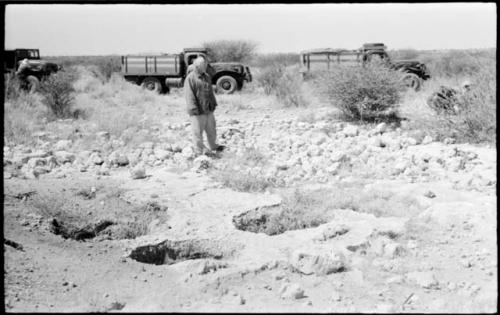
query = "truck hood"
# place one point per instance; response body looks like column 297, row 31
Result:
column 228, row 66
column 39, row 65
column 409, row 63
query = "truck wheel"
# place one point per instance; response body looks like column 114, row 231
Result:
column 412, row 81
column 33, row 83
column 152, row 84
column 226, row 84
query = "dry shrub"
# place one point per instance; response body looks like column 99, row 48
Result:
column 104, row 65
column 301, row 209
column 285, row 83
column 12, row 87
column 23, row 116
column 57, row 90
column 404, row 54
column 230, row 50
column 475, row 120
column 234, row 172
column 273, row 59
column 459, row 62
column 365, row 93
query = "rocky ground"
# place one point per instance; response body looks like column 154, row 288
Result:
column 148, row 227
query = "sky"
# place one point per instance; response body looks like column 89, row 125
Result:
column 82, row 29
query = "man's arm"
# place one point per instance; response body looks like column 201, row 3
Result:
column 191, row 101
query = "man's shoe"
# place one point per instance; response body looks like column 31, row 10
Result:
column 220, row 148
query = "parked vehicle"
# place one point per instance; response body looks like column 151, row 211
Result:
column 34, row 72
column 159, row 73
column 415, row 72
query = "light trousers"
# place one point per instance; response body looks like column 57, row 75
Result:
column 200, row 123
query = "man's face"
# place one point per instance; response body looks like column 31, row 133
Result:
column 202, row 65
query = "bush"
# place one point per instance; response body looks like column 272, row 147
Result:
column 57, row 90
column 284, row 83
column 369, row 93
column 106, row 65
column 404, row 54
column 230, row 50
column 12, row 87
column 476, row 117
column 269, row 78
column 273, row 59
column 458, row 63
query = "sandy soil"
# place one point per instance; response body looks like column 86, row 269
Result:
column 441, row 259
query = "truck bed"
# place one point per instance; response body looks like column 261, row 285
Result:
column 162, row 65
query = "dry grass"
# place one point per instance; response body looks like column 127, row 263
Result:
column 284, row 83
column 244, row 172
column 304, row 208
column 130, row 221
column 476, row 121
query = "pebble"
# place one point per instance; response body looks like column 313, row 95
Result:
column 291, row 291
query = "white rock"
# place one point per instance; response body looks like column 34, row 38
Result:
column 333, row 169
column 351, row 131
column 395, row 279
column 202, row 162
column 393, row 250
column 425, row 279
column 427, row 140
column 96, row 159
column 138, row 172
column 338, row 156
column 188, row 152
column 385, row 308
column 291, row 291
column 63, row 157
column 320, row 264
column 162, row 154
column 380, row 128
column 62, row 145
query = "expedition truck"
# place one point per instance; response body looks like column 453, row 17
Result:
column 415, row 72
column 159, row 73
column 36, row 71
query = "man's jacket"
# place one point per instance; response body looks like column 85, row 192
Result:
column 199, row 93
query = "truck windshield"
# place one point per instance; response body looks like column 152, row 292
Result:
column 33, row 54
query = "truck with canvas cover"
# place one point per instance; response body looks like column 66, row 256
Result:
column 414, row 72
column 159, row 73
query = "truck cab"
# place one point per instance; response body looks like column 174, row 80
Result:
column 13, row 57
column 36, row 69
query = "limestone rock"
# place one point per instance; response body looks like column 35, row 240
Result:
column 138, row 172
column 291, row 291
column 62, row 145
column 393, row 249
column 351, row 131
column 64, row 157
column 319, row 264
column 425, row 279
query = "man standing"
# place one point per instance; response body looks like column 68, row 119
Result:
column 201, row 104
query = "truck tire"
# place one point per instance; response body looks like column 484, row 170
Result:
column 412, row 81
column 226, row 84
column 152, row 84
column 33, row 83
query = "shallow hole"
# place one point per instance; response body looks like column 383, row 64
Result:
column 67, row 230
column 171, row 252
